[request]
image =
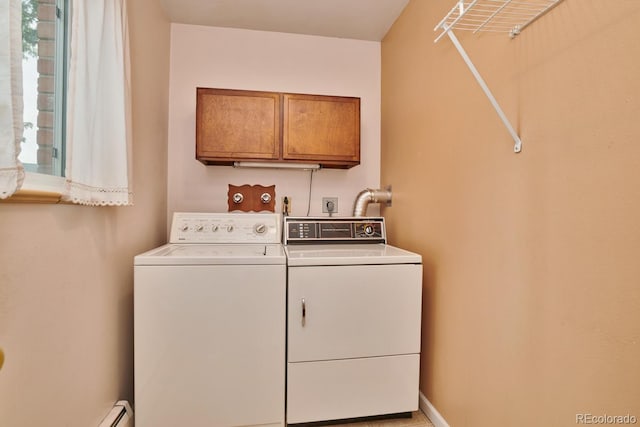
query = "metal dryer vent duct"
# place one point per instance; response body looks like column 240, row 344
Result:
column 370, row 196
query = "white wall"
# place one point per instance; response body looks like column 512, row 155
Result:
column 256, row 60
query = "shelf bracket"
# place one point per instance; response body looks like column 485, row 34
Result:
column 517, row 142
column 510, row 16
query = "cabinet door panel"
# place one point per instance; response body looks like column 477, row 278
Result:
column 353, row 311
column 236, row 125
column 321, row 128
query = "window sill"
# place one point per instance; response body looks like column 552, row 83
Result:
column 40, row 189
column 34, row 196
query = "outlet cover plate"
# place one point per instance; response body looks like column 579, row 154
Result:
column 326, row 200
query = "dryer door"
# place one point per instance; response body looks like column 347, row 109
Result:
column 340, row 312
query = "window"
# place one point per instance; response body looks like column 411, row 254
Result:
column 81, row 117
column 44, row 73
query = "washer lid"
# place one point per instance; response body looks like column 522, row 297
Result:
column 349, row 254
column 205, row 254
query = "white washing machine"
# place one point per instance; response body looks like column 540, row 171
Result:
column 209, row 324
column 354, row 319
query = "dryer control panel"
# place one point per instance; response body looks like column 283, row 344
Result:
column 334, row 230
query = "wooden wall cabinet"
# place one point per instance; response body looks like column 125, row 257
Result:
column 238, row 125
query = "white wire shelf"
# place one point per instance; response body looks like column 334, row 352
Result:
column 504, row 16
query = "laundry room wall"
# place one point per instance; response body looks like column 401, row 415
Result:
column 268, row 61
column 66, row 271
column 531, row 312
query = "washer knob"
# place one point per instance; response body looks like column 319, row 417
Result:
column 184, row 227
column 200, row 228
column 260, row 228
column 214, row 228
column 229, row 228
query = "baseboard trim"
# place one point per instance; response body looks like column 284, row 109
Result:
column 431, row 412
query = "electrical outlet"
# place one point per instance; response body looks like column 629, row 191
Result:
column 330, row 205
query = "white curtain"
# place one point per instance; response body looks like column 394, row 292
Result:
column 11, row 126
column 98, row 105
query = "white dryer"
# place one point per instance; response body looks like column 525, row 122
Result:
column 354, row 320
column 209, row 324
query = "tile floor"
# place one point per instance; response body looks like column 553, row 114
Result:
column 418, row 419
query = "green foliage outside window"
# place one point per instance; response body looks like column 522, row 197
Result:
column 29, row 28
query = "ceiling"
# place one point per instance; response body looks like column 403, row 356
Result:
column 352, row 19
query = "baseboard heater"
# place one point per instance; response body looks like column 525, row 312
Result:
column 121, row 415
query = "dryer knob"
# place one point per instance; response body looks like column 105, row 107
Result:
column 229, row 228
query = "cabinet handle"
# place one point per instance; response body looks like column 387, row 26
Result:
column 304, row 312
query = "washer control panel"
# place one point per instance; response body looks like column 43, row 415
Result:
column 195, row 227
column 334, row 230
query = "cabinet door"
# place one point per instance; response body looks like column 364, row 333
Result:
column 237, row 125
column 353, row 311
column 324, row 129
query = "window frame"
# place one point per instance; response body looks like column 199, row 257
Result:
column 41, row 187
column 61, row 83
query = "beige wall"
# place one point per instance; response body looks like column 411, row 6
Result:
column 279, row 62
column 532, row 279
column 66, row 274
